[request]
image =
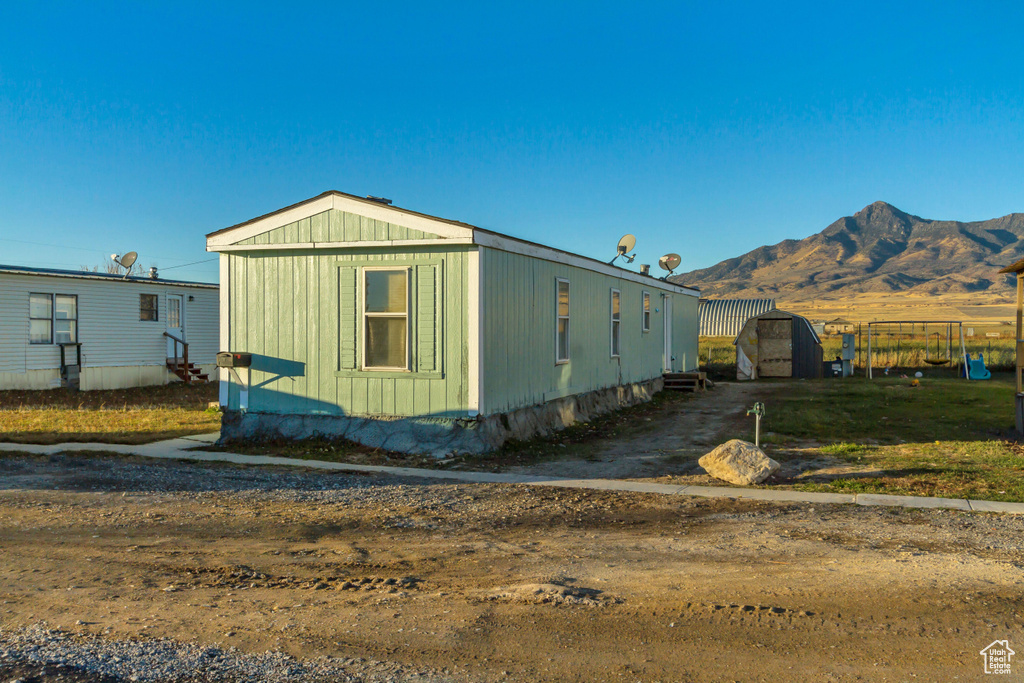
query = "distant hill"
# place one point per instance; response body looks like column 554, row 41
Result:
column 878, row 249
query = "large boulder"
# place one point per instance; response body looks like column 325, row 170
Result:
column 739, row 462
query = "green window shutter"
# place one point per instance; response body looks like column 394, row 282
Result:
column 427, row 319
column 348, row 315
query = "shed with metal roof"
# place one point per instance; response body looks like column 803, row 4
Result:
column 778, row 344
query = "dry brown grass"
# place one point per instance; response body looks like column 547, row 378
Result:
column 125, row 416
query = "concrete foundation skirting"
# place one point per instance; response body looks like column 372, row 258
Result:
column 439, row 436
column 97, row 377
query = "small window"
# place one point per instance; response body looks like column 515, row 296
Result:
column 149, row 308
column 386, row 319
column 66, row 319
column 562, row 322
column 647, row 312
column 40, row 318
column 616, row 322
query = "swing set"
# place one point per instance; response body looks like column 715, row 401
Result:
column 907, row 331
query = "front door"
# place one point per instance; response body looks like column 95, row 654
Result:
column 175, row 322
column 667, row 364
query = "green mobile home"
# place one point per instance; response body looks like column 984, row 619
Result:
column 420, row 334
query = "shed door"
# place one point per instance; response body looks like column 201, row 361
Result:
column 775, row 348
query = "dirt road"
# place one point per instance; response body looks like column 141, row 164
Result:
column 501, row 583
column 668, row 444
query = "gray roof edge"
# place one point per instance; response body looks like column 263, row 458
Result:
column 105, row 277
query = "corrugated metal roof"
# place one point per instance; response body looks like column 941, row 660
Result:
column 725, row 317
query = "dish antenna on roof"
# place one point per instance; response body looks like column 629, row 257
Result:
column 669, row 262
column 126, row 262
column 626, row 245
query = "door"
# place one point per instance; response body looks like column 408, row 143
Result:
column 175, row 322
column 667, row 355
column 775, row 347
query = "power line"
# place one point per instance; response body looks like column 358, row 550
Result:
column 191, row 264
column 67, row 246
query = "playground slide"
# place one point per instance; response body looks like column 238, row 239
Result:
column 977, row 367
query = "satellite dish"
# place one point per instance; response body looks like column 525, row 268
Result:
column 669, row 262
column 626, row 245
column 126, row 261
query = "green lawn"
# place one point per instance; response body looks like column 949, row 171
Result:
column 946, row 437
column 123, row 416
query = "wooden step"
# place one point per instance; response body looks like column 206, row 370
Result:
column 189, row 373
column 685, row 381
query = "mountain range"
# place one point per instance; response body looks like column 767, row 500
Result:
column 878, row 249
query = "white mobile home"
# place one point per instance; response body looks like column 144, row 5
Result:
column 127, row 332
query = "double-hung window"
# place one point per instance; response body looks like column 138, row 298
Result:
column 616, row 322
column 562, row 322
column 40, row 318
column 647, row 312
column 52, row 318
column 386, row 319
column 65, row 314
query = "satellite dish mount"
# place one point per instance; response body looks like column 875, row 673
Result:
column 126, row 262
column 626, row 245
column 669, row 262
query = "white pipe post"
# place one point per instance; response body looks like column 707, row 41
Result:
column 963, row 353
column 869, row 350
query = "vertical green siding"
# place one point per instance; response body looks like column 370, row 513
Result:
column 337, row 226
column 518, row 332
column 300, row 313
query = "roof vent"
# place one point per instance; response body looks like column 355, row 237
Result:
column 379, row 200
column 152, row 273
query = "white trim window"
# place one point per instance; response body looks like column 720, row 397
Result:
column 616, row 323
column 52, row 318
column 646, row 312
column 562, row 320
column 65, row 319
column 386, row 319
column 40, row 318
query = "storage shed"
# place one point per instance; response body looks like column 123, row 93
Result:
column 726, row 317
column 419, row 334
column 103, row 331
column 778, row 344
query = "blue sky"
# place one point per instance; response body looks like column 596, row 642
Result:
column 703, row 128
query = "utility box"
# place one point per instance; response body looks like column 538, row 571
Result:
column 233, row 359
column 832, row 368
column 849, row 354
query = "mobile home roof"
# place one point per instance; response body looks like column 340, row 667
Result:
column 86, row 275
column 486, row 237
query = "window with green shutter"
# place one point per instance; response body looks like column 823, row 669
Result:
column 389, row 318
column 426, row 319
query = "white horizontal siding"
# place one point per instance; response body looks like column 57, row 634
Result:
column 109, row 328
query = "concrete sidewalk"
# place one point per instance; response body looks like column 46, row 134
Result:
column 181, row 449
